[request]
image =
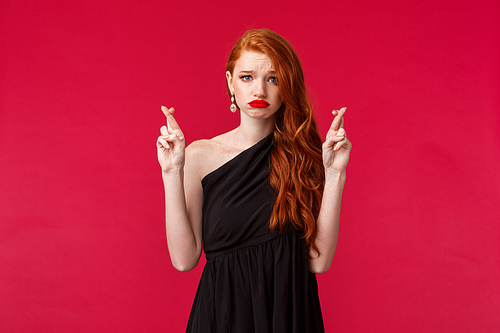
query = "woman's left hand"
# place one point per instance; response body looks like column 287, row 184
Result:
column 336, row 148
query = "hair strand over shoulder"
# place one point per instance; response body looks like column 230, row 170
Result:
column 297, row 172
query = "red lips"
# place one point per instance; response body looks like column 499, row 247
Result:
column 258, row 103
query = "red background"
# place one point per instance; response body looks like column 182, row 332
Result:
column 82, row 245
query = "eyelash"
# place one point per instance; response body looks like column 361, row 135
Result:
column 244, row 78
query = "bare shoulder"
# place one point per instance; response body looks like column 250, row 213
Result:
column 196, row 153
column 205, row 156
column 199, row 148
column 202, row 150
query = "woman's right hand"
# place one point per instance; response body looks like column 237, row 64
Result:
column 171, row 144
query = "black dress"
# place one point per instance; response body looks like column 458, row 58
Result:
column 254, row 280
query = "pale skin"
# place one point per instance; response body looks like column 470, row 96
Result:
column 184, row 168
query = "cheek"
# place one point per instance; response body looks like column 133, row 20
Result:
column 237, row 90
column 280, row 100
column 237, row 96
column 277, row 96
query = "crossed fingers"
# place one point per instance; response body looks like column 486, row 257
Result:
column 336, row 131
column 172, row 126
column 172, row 131
column 338, row 122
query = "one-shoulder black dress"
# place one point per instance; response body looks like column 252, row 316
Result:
column 254, row 280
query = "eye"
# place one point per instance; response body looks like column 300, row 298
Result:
column 246, row 77
column 273, row 79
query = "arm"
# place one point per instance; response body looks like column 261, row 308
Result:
column 183, row 196
column 336, row 150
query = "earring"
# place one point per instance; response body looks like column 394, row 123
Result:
column 233, row 106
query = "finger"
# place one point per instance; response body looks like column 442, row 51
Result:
column 339, row 145
column 334, row 138
column 337, row 140
column 337, row 121
column 174, row 127
column 341, row 111
column 162, row 143
column 340, row 132
column 168, row 140
column 344, row 143
column 332, row 142
column 167, row 112
column 335, row 135
column 178, row 133
column 164, row 130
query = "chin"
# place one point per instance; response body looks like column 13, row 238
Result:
column 260, row 113
column 261, row 116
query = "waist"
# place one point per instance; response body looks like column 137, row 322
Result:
column 252, row 242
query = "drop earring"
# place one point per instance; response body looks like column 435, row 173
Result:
column 233, row 106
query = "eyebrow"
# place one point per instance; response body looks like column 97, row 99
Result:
column 251, row 71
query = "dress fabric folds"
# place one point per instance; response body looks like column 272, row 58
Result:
column 255, row 279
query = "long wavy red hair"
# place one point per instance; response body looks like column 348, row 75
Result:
column 297, row 171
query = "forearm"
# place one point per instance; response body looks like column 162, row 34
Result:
column 327, row 224
column 183, row 245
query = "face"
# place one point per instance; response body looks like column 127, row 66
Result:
column 255, row 85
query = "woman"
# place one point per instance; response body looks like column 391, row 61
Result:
column 263, row 199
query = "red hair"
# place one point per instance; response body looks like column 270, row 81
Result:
column 297, row 172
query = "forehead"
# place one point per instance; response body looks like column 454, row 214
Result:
column 252, row 60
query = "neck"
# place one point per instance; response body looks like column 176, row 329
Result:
column 253, row 130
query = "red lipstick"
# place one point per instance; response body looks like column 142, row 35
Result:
column 259, row 103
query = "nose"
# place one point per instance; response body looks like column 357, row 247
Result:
column 260, row 89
